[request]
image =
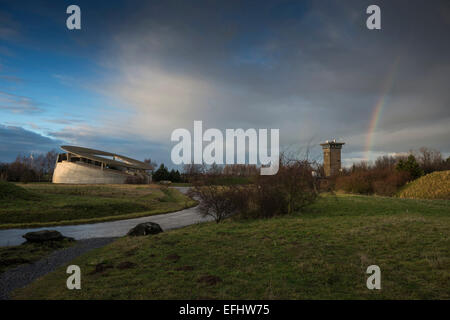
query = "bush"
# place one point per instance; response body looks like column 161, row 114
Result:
column 161, row 174
column 138, row 179
column 391, row 184
column 217, row 201
column 290, row 190
column 175, row 176
column 385, row 182
column 411, row 166
column 357, row 182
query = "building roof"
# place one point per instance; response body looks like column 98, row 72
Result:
column 333, row 144
column 98, row 155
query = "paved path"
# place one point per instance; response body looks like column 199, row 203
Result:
column 25, row 274
column 118, row 228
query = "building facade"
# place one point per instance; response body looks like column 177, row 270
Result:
column 332, row 157
column 79, row 165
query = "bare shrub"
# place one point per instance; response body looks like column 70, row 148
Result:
column 216, row 201
column 391, row 183
column 137, row 179
column 290, row 190
column 382, row 180
column 357, row 182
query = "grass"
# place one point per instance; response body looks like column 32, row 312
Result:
column 11, row 192
column 14, row 256
column 435, row 185
column 52, row 204
column 322, row 253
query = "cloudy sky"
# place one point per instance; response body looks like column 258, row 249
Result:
column 137, row 70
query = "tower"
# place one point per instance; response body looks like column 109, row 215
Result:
column 332, row 157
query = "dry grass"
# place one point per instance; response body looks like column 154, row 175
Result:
column 435, row 185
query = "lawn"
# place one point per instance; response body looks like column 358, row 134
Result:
column 322, row 253
column 45, row 204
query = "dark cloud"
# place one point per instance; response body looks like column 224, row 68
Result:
column 314, row 71
column 310, row 68
column 17, row 140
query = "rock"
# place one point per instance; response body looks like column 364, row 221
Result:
column 165, row 182
column 44, row 236
column 143, row 229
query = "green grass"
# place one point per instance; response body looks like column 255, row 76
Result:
column 53, row 204
column 322, row 253
column 14, row 256
column 11, row 192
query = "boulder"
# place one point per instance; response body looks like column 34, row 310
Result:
column 44, row 236
column 143, row 229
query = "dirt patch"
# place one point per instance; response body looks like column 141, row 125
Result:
column 126, row 265
column 101, row 267
column 169, row 243
column 209, row 280
column 173, row 257
column 185, row 268
column 131, row 252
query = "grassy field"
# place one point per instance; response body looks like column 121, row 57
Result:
column 45, row 204
column 320, row 254
column 14, row 256
column 435, row 185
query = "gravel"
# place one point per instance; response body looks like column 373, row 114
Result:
column 23, row 275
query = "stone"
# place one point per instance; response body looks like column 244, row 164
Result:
column 43, row 236
column 143, row 229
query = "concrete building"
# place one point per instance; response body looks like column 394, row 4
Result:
column 88, row 166
column 332, row 157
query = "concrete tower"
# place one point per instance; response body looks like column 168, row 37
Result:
column 332, row 157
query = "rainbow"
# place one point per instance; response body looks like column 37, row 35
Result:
column 378, row 108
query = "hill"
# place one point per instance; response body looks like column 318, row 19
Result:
column 10, row 191
column 435, row 185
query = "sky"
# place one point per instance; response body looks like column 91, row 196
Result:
column 137, row 70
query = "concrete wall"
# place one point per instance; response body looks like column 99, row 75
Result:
column 81, row 173
column 331, row 161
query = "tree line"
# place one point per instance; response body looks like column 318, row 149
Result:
column 32, row 168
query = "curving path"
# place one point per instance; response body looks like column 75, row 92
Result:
column 167, row 221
